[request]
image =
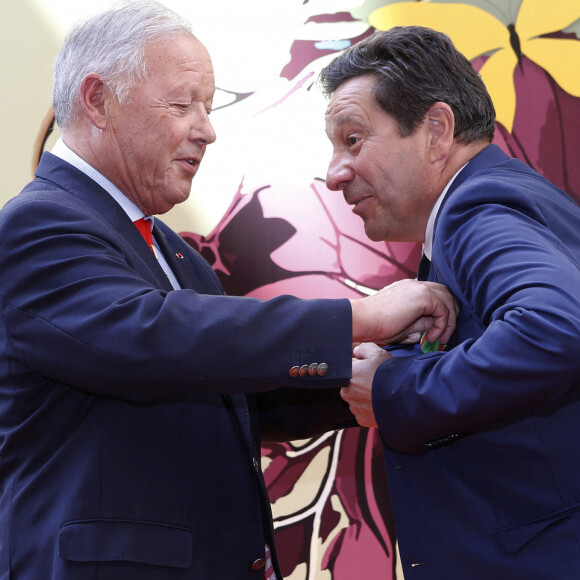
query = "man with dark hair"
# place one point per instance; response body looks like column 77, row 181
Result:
column 480, row 438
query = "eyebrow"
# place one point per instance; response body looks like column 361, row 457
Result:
column 348, row 119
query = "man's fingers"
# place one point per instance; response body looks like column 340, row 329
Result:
column 444, row 315
column 366, row 350
column 412, row 338
column 403, row 308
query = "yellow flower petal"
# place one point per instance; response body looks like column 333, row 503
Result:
column 537, row 17
column 497, row 74
column 473, row 30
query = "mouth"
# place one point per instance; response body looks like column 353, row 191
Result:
column 189, row 163
column 355, row 201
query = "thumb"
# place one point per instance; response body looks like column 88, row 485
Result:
column 366, row 350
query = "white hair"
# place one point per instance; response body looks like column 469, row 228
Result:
column 111, row 44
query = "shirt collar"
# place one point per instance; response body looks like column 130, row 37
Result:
column 428, row 245
column 64, row 152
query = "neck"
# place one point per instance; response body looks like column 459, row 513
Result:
column 459, row 154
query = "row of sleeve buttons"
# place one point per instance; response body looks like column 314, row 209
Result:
column 314, row 369
column 441, row 441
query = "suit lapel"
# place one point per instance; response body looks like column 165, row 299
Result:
column 491, row 155
column 137, row 242
column 104, row 211
column 191, row 270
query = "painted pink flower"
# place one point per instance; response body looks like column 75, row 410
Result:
column 305, row 242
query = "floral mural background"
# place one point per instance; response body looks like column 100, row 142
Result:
column 261, row 215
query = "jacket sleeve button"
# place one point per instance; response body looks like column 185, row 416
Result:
column 312, row 369
column 293, row 372
column 322, row 369
column 303, row 370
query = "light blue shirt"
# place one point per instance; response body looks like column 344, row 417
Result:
column 134, row 213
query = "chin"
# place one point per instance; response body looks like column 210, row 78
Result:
column 374, row 235
column 176, row 197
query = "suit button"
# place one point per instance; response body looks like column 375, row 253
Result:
column 312, row 369
column 303, row 370
column 294, row 371
column 322, row 369
column 258, row 564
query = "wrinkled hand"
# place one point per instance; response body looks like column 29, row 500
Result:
column 403, row 309
column 358, row 394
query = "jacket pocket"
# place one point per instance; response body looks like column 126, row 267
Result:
column 513, row 538
column 131, row 541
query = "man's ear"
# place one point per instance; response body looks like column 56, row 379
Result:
column 92, row 94
column 441, row 126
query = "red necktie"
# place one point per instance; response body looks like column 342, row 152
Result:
column 144, row 227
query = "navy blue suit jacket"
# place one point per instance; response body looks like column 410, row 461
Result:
column 127, row 450
column 482, row 441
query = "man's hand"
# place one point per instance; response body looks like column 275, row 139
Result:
column 358, row 394
column 402, row 309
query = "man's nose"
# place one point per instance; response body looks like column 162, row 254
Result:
column 338, row 174
column 202, row 129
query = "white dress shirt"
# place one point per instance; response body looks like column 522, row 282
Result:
column 428, row 245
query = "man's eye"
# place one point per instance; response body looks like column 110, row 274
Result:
column 181, row 106
column 352, row 140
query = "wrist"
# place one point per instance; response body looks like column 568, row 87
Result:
column 358, row 326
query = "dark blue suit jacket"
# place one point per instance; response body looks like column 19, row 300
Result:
column 127, row 450
column 482, row 441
